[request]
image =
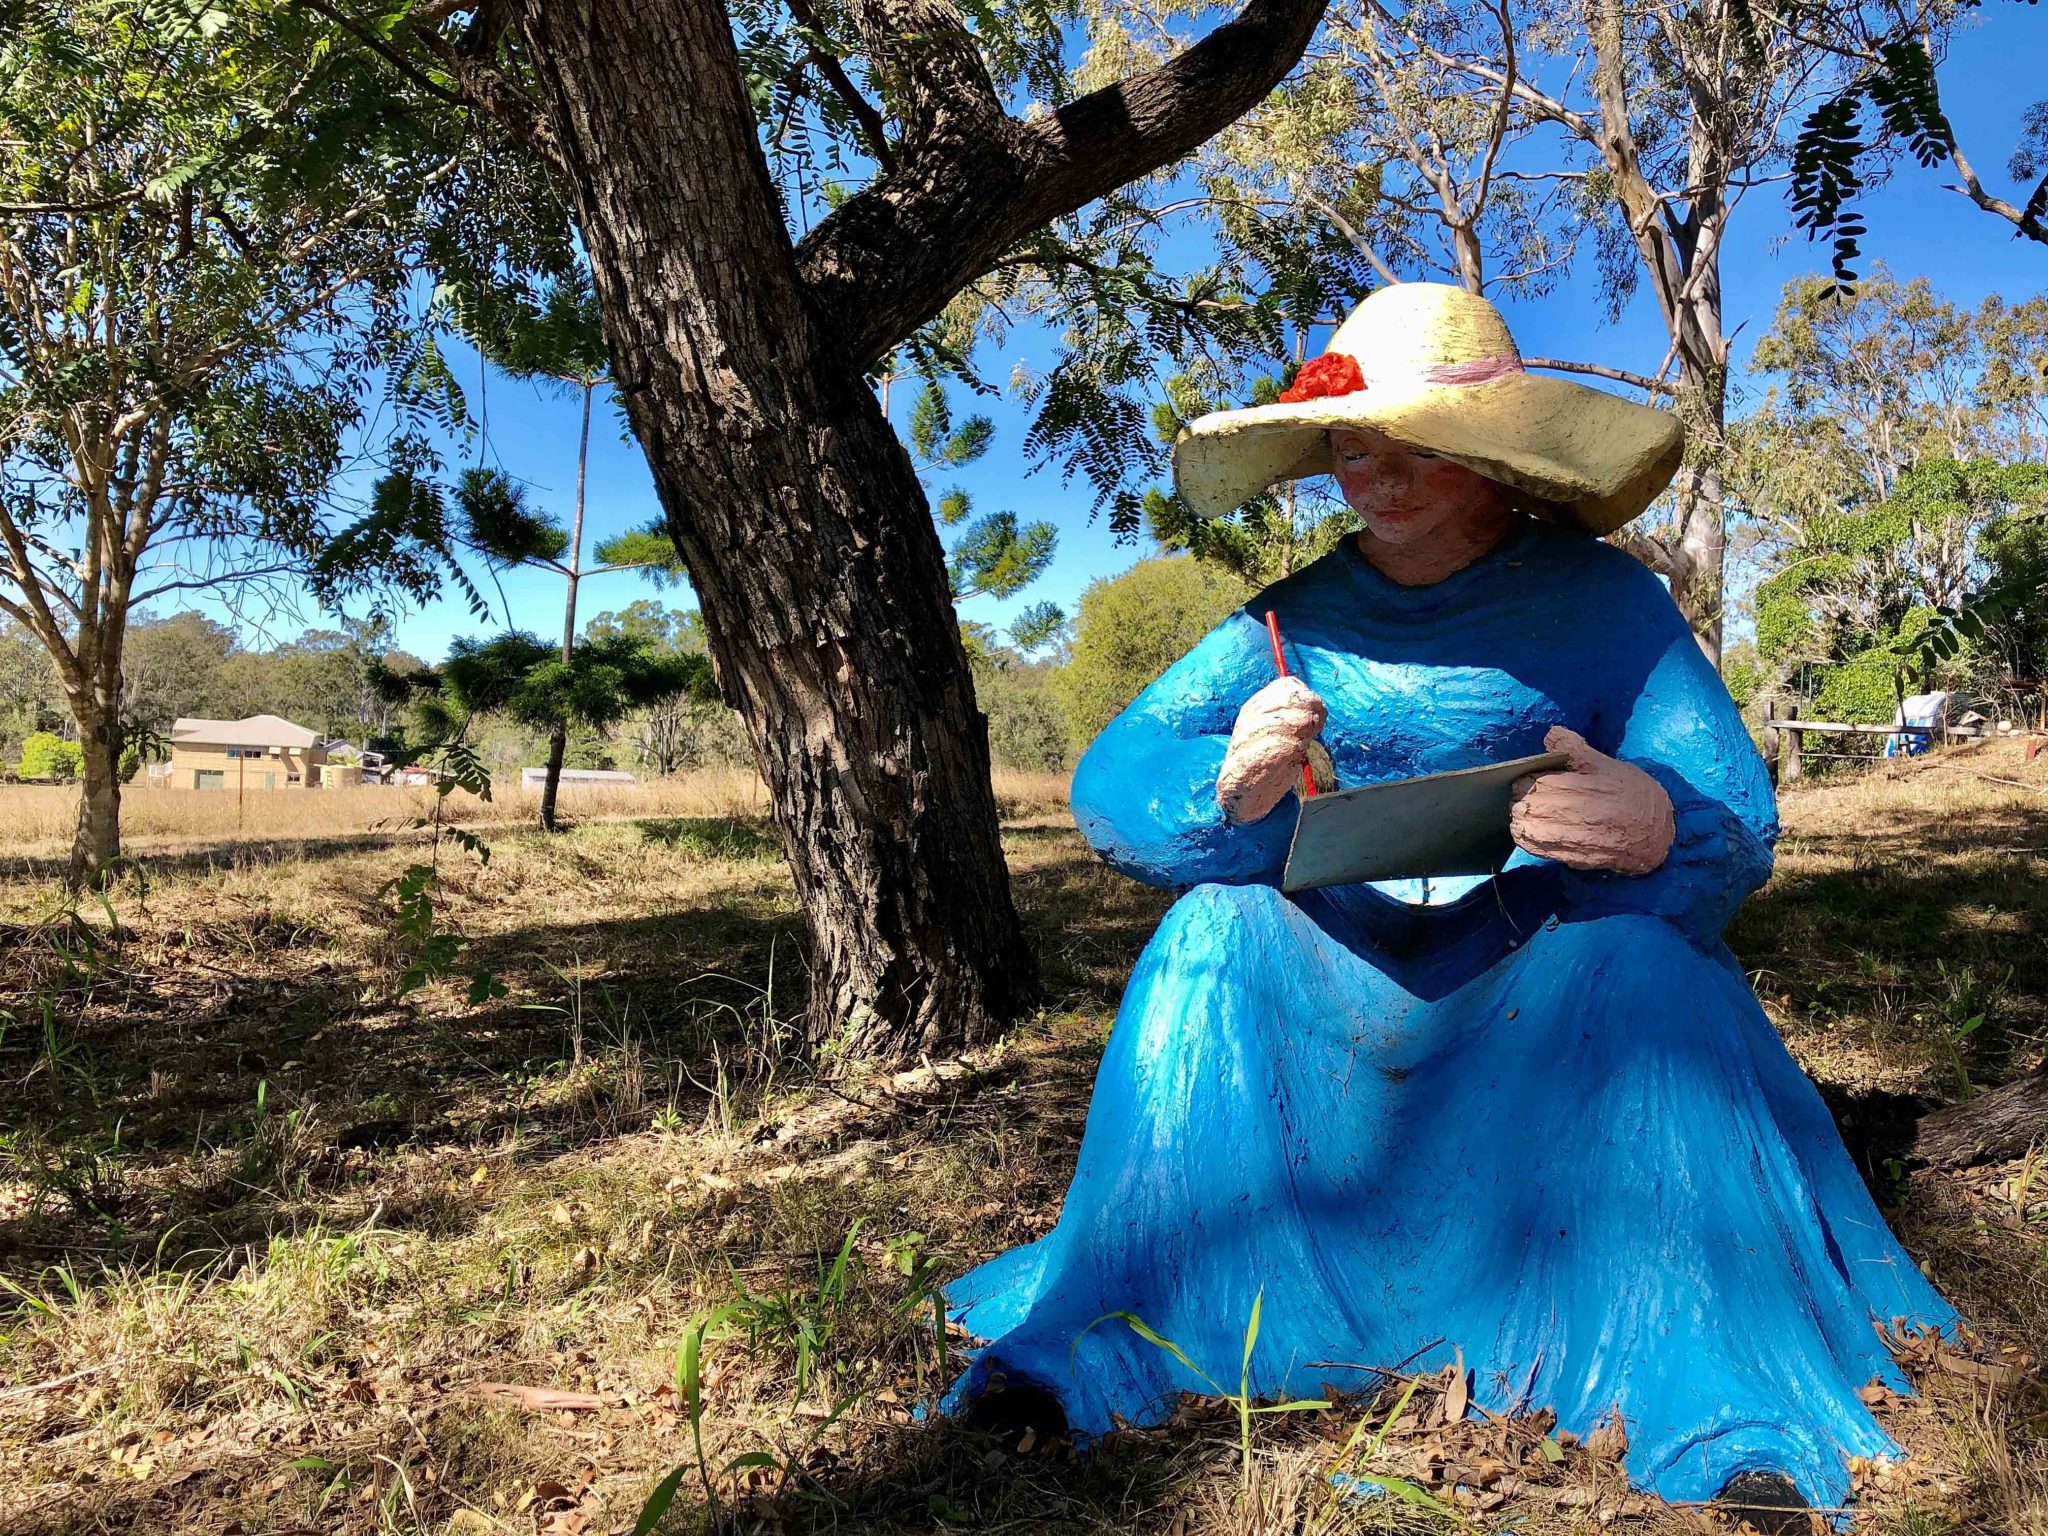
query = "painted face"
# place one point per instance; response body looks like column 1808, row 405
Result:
column 1405, row 494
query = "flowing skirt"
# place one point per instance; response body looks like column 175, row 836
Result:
column 1575, row 1150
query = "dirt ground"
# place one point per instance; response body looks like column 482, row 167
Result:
column 286, row 1246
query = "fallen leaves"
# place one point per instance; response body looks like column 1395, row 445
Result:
column 1441, row 1446
column 1457, row 1390
column 562, row 1508
column 1609, row 1439
column 1919, row 1350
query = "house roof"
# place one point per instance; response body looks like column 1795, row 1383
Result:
column 256, row 731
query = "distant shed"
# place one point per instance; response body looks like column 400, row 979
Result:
column 537, row 778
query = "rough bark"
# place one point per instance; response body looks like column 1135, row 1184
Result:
column 890, row 259
column 741, row 360
column 96, row 842
column 1993, row 1127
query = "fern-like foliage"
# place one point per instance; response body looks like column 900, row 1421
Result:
column 1836, row 142
column 402, row 541
column 519, row 675
column 647, row 549
column 498, row 524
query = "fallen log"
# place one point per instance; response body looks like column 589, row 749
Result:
column 1993, row 1127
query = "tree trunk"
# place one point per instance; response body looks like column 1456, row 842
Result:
column 803, row 527
column 558, row 748
column 1681, row 259
column 1698, row 556
column 96, row 843
column 558, row 738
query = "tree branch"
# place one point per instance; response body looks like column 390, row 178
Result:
column 2022, row 219
column 872, row 128
column 1649, row 549
column 922, row 58
column 889, row 260
column 1358, row 241
column 490, row 90
column 1498, row 131
column 1641, row 381
column 1543, row 106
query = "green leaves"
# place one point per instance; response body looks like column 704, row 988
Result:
column 1037, row 625
column 1825, row 177
column 218, row 216
column 997, row 557
column 497, row 523
column 1832, row 145
column 648, row 549
column 412, row 539
column 1242, row 1399
column 658, row 1502
column 522, row 676
column 554, row 332
column 936, row 441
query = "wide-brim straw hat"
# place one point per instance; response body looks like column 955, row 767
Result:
column 1436, row 369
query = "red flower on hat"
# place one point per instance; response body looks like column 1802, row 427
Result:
column 1334, row 373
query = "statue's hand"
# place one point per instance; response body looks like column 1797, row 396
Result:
column 1267, row 747
column 1595, row 813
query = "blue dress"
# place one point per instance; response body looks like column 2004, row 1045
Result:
column 1542, row 1122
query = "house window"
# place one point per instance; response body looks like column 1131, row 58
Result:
column 209, row 778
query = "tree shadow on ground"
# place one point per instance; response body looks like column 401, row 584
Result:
column 1914, row 942
column 226, row 854
column 172, row 1108
column 688, row 991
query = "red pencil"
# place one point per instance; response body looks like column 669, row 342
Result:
column 1308, row 779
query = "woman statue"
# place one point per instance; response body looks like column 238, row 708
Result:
column 1540, row 1122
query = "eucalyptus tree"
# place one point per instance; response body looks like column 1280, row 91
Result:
column 1419, row 165
column 208, row 235
column 745, row 304
column 1664, row 117
column 1898, row 430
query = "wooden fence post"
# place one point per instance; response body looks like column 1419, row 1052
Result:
column 1772, row 743
column 1789, row 774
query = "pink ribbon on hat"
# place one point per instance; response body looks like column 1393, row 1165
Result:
column 1481, row 370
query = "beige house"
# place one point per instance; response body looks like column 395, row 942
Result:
column 261, row 752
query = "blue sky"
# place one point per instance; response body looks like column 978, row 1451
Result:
column 1916, row 228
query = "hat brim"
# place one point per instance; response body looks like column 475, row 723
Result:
column 1585, row 456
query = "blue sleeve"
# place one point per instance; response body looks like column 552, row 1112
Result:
column 1684, row 731
column 1145, row 790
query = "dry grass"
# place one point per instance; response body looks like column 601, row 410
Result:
column 265, row 1223
column 36, row 820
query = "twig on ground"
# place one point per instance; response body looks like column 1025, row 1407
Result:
column 547, row 1399
column 57, row 1381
